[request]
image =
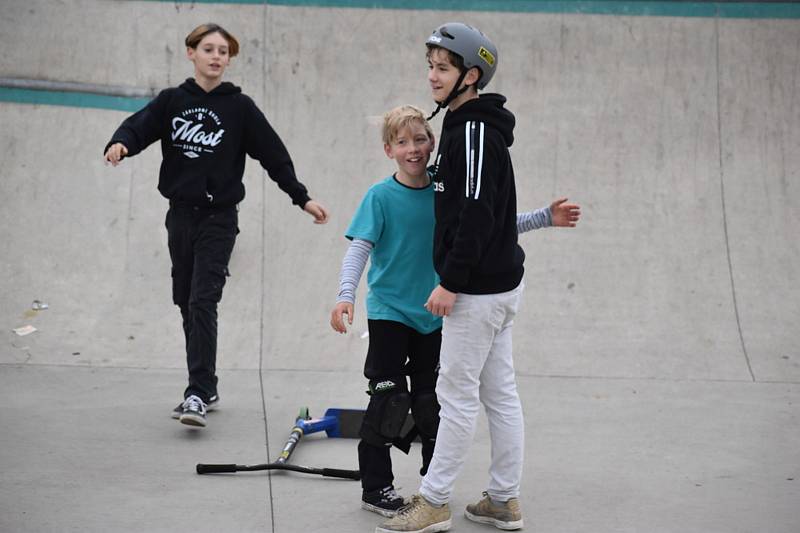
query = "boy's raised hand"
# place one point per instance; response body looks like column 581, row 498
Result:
column 115, row 153
column 563, row 214
column 337, row 320
column 317, row 211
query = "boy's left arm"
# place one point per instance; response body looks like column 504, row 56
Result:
column 564, row 215
column 264, row 144
column 559, row 214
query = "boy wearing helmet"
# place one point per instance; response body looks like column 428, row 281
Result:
column 480, row 266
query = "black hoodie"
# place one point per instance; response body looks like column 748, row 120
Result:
column 475, row 247
column 204, row 139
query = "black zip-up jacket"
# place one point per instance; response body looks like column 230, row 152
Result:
column 475, row 242
column 204, row 139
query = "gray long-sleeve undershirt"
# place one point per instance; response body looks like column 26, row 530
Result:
column 355, row 259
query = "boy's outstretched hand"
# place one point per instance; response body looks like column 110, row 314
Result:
column 115, row 153
column 317, row 211
column 563, row 214
column 337, row 318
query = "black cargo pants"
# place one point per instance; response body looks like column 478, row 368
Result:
column 200, row 244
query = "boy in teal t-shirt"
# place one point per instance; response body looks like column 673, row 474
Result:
column 397, row 277
column 393, row 229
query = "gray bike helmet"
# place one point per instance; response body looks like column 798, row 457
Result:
column 473, row 46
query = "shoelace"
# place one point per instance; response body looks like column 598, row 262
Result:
column 193, row 403
column 390, row 493
column 412, row 508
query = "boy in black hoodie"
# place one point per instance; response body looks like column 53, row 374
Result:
column 480, row 266
column 206, row 127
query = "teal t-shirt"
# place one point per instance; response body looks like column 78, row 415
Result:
column 398, row 221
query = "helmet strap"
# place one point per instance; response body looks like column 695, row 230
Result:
column 455, row 93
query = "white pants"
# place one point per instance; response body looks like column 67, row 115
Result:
column 477, row 367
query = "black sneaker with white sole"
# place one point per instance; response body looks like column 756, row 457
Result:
column 383, row 501
column 194, row 412
column 212, row 404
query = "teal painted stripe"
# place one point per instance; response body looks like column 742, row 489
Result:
column 664, row 8
column 72, row 99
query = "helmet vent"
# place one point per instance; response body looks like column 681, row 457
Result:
column 444, row 33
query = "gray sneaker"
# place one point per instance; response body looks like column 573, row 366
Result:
column 212, row 404
column 506, row 515
column 194, row 412
column 419, row 516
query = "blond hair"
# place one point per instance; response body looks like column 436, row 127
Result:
column 400, row 117
column 194, row 38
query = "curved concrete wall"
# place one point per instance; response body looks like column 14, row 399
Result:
column 641, row 333
column 677, row 136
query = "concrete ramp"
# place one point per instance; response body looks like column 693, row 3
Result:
column 657, row 348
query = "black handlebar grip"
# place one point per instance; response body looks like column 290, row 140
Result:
column 215, row 469
column 346, row 474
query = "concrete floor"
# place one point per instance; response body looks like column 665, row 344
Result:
column 657, row 347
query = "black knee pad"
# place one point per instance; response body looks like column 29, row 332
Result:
column 387, row 411
column 425, row 409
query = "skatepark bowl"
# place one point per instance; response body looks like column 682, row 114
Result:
column 656, row 347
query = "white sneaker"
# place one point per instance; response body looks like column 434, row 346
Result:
column 212, row 404
column 194, row 412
